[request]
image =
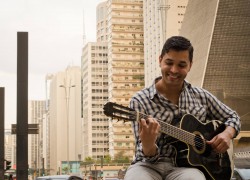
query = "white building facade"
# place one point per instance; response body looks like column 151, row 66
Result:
column 94, row 96
column 162, row 19
column 36, row 111
column 65, row 118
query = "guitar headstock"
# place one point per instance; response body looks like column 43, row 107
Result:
column 119, row 112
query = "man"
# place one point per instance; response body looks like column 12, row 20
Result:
column 168, row 99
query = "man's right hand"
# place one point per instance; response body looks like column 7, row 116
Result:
column 148, row 132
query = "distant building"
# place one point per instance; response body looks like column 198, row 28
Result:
column 94, row 77
column 46, row 120
column 65, row 118
column 162, row 19
column 125, row 66
column 101, row 22
column 36, row 111
column 10, row 148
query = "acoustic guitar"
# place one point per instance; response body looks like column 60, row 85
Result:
column 189, row 141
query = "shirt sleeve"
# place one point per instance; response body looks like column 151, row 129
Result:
column 139, row 155
column 222, row 112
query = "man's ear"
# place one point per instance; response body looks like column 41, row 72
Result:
column 191, row 63
column 160, row 59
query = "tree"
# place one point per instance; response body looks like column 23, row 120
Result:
column 65, row 169
column 89, row 159
column 107, row 159
column 121, row 158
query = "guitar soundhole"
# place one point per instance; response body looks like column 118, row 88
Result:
column 199, row 144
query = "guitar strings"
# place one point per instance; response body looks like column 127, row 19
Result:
column 166, row 128
column 178, row 133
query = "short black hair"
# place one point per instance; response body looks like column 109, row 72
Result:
column 178, row 43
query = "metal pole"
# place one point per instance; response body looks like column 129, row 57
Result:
column 67, row 101
column 2, row 133
column 67, row 94
column 22, row 107
column 43, row 167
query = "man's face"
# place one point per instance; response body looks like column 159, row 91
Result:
column 175, row 66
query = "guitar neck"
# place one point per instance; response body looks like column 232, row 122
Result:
column 177, row 133
column 172, row 131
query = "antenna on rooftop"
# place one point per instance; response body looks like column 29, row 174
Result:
column 84, row 35
column 163, row 7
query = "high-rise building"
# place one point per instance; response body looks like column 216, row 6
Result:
column 65, row 120
column 94, row 96
column 101, row 22
column 36, row 110
column 10, row 148
column 162, row 19
column 46, row 134
column 94, row 79
column 125, row 65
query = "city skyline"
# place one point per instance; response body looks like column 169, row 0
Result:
column 61, row 43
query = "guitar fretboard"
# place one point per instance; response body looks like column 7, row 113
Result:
column 180, row 134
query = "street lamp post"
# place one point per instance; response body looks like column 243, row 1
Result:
column 67, row 94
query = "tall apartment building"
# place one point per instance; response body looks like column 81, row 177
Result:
column 46, row 134
column 162, row 19
column 219, row 31
column 10, row 148
column 94, row 79
column 36, row 110
column 101, row 22
column 125, row 65
column 65, row 119
column 94, row 96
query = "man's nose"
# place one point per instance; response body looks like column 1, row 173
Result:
column 174, row 69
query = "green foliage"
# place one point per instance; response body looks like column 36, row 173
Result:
column 65, row 170
column 121, row 158
column 89, row 159
column 107, row 159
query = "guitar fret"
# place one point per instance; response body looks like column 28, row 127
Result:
column 177, row 133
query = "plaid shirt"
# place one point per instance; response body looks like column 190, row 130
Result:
column 196, row 101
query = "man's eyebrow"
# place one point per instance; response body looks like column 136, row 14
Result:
column 183, row 62
column 169, row 59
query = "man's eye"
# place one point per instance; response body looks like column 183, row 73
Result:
column 169, row 63
column 182, row 65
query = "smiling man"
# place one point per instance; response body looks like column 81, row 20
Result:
column 169, row 99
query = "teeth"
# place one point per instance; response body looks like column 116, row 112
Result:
column 173, row 76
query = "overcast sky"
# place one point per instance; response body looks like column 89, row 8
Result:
column 55, row 32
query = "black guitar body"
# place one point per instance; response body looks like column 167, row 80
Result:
column 213, row 165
